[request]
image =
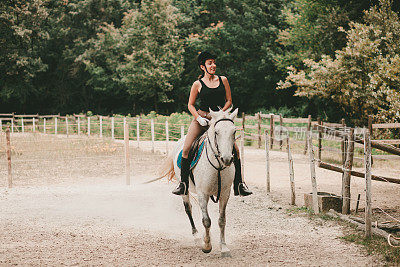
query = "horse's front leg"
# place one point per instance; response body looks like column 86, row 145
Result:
column 225, row 252
column 203, row 200
column 188, row 209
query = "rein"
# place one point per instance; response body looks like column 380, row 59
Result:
column 217, row 157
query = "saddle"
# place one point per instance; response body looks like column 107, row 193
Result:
column 194, row 153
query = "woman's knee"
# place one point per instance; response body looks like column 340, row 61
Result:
column 185, row 153
column 236, row 151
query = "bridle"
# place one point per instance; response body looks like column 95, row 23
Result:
column 217, row 156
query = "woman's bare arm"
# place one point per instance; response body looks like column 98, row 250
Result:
column 194, row 91
column 228, row 95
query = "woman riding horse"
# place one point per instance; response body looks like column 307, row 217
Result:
column 213, row 91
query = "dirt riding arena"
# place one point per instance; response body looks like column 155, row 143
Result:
column 70, row 206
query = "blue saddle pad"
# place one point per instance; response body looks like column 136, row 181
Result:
column 195, row 158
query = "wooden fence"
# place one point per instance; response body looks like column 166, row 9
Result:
column 273, row 129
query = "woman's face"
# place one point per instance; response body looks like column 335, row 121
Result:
column 210, row 65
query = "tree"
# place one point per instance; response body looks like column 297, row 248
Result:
column 313, row 28
column 363, row 78
column 142, row 58
column 72, row 25
column 242, row 34
column 22, row 35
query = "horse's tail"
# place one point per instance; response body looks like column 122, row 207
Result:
column 167, row 168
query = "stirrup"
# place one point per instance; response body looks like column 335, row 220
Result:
column 241, row 190
column 181, row 189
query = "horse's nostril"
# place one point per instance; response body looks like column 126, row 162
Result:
column 227, row 160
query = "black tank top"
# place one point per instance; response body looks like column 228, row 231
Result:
column 212, row 97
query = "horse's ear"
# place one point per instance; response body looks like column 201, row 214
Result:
column 212, row 113
column 234, row 114
column 229, row 109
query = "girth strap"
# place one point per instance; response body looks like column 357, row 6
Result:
column 219, row 188
column 219, row 169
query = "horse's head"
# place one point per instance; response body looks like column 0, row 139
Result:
column 222, row 134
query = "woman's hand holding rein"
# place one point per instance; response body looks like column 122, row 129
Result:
column 202, row 121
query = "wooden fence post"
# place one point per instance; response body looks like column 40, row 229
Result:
column 22, row 124
column 44, row 125
column 371, row 133
column 9, row 157
column 347, row 174
column 280, row 131
column 166, row 136
column 182, row 131
column 259, row 128
column 367, row 160
column 66, row 125
column 88, row 126
column 370, row 126
column 242, row 154
column 267, row 162
column 79, row 125
column 271, row 131
column 319, row 138
column 342, row 144
column 101, row 126
column 112, row 128
column 313, row 179
column 137, row 131
column 33, row 125
column 243, row 121
column 307, row 131
column 127, row 155
column 291, row 173
column 123, row 125
column 55, row 125
column 152, row 135
column 12, row 124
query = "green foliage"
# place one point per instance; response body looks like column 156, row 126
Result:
column 313, row 29
column 242, row 34
column 363, row 78
column 23, row 32
column 141, row 58
column 131, row 57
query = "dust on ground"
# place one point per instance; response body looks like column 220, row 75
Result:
column 98, row 220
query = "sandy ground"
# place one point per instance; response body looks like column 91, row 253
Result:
column 98, row 220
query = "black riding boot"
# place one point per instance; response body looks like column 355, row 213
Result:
column 239, row 188
column 183, row 186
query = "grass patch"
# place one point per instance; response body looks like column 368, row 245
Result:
column 309, row 213
column 375, row 245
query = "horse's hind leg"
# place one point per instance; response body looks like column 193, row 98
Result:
column 203, row 200
column 188, row 209
column 225, row 252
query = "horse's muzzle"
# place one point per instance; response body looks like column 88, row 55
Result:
column 227, row 160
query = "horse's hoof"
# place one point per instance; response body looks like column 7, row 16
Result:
column 197, row 239
column 226, row 254
column 206, row 250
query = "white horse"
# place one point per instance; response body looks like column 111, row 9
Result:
column 214, row 163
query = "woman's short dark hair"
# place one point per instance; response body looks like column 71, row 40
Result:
column 203, row 56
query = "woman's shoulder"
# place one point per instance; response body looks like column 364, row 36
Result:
column 223, row 78
column 197, row 83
